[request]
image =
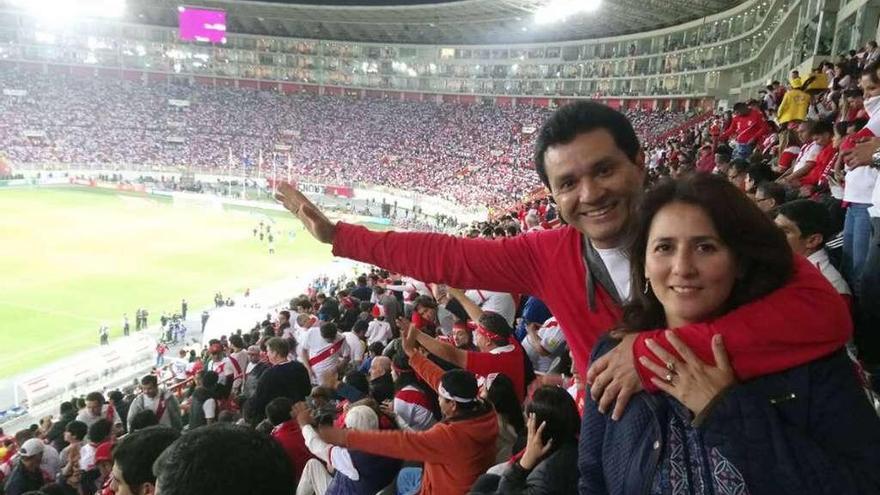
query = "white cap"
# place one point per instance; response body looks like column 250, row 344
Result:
column 31, row 448
column 361, row 418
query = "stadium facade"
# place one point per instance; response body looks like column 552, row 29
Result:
column 702, row 61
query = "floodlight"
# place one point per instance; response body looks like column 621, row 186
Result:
column 560, row 10
column 66, row 10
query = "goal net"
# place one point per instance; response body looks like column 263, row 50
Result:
column 185, row 200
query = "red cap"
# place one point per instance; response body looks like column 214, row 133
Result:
column 104, row 452
column 378, row 310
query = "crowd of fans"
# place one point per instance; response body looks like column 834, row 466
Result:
column 473, row 154
column 543, row 363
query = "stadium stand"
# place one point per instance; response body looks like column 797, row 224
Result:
column 431, row 148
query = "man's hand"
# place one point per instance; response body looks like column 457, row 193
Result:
column 302, row 413
column 613, row 378
column 409, row 336
column 315, row 222
column 862, row 153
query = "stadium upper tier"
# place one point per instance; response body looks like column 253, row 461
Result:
column 718, row 56
column 475, row 154
column 440, row 21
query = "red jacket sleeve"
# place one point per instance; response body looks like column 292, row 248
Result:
column 425, row 368
column 505, row 265
column 802, row 321
column 734, row 122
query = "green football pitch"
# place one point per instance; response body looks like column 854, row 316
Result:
column 72, row 259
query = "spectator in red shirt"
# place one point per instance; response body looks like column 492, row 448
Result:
column 287, row 433
column 706, row 160
column 823, row 134
column 747, row 128
column 498, row 352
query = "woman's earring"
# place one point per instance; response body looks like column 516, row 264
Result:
column 647, row 285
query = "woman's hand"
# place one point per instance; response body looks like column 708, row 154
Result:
column 690, row 380
column 536, row 449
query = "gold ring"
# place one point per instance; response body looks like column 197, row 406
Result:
column 670, row 366
column 669, row 378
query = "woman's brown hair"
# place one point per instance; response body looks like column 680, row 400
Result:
column 763, row 257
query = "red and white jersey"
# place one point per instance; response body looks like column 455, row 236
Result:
column 241, row 359
column 414, row 408
column 224, row 368
column 497, row 302
column 108, row 412
column 324, row 357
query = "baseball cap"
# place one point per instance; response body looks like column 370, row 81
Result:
column 31, row 448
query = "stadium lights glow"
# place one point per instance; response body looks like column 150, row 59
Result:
column 63, row 11
column 559, row 10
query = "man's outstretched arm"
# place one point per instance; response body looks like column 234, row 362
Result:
column 507, row 265
column 802, row 321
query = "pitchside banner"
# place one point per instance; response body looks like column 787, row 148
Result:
column 323, row 189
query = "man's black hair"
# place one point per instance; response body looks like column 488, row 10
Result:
column 461, row 383
column 210, row 378
column 821, row 127
column 741, row 166
column 78, row 429
column 360, row 326
column 100, row 430
column 358, row 379
column 150, row 380
column 143, row 419
column 580, row 117
column 135, row 454
column 773, row 190
column 760, row 172
column 202, row 463
column 95, row 397
column 329, row 330
column 66, row 408
column 278, row 410
column 810, row 217
column 376, row 348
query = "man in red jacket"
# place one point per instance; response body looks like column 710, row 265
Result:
column 590, row 159
column 747, row 128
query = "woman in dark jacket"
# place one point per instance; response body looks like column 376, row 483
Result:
column 701, row 249
column 548, row 465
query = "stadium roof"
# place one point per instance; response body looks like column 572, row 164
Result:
column 424, row 22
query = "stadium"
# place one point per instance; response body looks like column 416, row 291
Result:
column 439, row 247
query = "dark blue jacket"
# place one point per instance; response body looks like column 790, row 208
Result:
column 375, row 473
column 806, row 430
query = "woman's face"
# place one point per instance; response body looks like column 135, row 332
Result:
column 691, row 270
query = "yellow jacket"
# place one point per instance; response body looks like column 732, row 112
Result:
column 794, row 106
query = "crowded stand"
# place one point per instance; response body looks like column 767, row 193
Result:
column 476, row 155
column 694, row 315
